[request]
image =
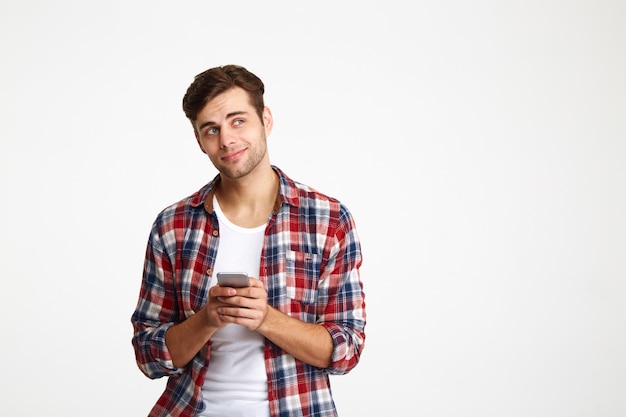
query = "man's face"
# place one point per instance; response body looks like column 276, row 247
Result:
column 230, row 132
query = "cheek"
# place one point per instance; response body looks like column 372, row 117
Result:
column 200, row 144
column 214, row 161
column 204, row 147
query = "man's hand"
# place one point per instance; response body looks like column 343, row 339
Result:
column 245, row 306
column 248, row 307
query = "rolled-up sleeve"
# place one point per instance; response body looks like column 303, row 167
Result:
column 344, row 311
column 155, row 312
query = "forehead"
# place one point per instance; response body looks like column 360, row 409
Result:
column 234, row 100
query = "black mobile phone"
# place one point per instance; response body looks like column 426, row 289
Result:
column 233, row 279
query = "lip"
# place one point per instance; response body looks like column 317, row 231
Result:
column 234, row 155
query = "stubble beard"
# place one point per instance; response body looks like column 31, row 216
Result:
column 254, row 158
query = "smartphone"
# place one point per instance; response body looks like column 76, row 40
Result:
column 233, row 279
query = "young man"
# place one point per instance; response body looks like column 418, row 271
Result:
column 266, row 349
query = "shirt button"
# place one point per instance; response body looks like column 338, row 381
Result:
column 208, row 272
column 215, row 232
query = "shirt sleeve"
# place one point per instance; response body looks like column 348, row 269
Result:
column 344, row 313
column 156, row 311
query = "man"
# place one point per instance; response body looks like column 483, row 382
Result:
column 266, row 349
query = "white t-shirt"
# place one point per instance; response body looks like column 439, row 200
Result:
column 235, row 384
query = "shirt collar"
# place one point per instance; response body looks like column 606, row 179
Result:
column 287, row 192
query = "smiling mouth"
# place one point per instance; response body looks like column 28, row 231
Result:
column 233, row 156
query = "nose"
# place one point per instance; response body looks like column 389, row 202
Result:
column 227, row 137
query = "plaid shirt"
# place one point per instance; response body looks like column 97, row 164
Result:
column 310, row 266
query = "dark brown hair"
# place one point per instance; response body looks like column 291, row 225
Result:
column 215, row 81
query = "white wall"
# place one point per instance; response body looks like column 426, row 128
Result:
column 480, row 145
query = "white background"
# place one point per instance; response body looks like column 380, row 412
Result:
column 481, row 147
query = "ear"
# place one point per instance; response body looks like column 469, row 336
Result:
column 268, row 121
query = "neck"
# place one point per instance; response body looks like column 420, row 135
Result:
column 248, row 201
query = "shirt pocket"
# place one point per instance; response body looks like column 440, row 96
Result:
column 302, row 276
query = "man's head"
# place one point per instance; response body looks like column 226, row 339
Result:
column 215, row 81
column 230, row 121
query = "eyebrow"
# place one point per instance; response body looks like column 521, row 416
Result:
column 228, row 116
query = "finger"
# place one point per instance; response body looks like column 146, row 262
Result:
column 235, row 312
column 217, row 291
column 256, row 283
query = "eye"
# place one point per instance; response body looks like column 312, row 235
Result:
column 238, row 122
column 212, row 131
